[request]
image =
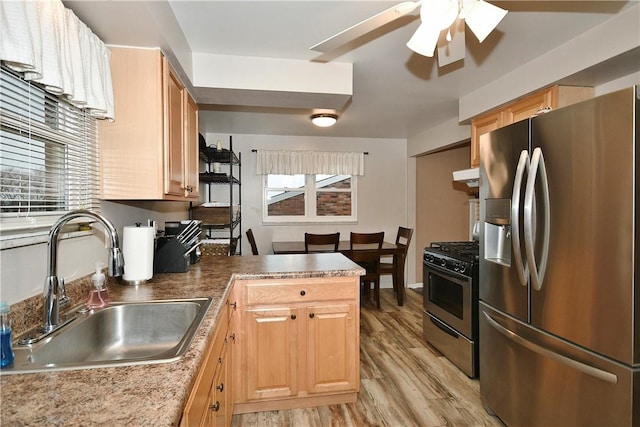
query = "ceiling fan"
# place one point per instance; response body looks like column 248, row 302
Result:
column 437, row 16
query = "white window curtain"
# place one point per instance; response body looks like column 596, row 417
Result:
column 51, row 46
column 273, row 162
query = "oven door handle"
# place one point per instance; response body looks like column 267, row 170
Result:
column 444, row 328
column 521, row 266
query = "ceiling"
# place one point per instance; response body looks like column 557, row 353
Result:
column 395, row 91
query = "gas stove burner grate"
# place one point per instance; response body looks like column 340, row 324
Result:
column 464, row 250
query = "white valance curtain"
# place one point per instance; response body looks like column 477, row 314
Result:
column 51, row 46
column 272, row 162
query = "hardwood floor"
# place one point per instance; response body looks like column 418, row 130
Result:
column 404, row 381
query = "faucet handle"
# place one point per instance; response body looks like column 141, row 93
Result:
column 63, row 299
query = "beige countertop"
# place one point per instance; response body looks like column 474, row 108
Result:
column 149, row 395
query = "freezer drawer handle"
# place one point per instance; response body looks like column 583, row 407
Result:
column 537, row 272
column 587, row 369
column 523, row 166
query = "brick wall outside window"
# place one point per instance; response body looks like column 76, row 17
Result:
column 329, row 203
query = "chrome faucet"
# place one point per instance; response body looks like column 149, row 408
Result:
column 54, row 290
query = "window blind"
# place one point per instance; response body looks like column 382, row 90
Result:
column 48, row 155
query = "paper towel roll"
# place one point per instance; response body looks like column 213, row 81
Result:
column 137, row 250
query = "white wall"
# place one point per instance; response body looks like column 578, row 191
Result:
column 608, row 40
column 23, row 269
column 382, row 191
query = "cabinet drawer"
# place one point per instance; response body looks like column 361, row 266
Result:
column 329, row 289
column 198, row 403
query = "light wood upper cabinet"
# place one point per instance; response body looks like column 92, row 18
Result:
column 480, row 126
column 191, row 168
column 523, row 108
column 175, row 155
column 150, row 150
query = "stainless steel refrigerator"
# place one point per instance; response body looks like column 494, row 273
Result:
column 559, row 256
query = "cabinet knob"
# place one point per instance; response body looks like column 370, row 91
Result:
column 234, row 305
column 220, row 387
column 233, row 336
column 215, row 407
column 293, row 317
column 303, row 293
column 311, row 315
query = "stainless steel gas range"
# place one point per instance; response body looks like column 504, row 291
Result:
column 450, row 302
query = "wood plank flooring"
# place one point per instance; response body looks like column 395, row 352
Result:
column 404, row 380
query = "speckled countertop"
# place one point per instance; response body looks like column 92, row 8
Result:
column 146, row 395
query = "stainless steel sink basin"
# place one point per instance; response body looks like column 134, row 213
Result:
column 120, row 334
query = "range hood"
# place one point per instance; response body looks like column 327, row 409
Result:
column 470, row 177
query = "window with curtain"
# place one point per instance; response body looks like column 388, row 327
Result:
column 48, row 157
column 309, row 186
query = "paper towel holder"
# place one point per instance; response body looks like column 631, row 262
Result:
column 140, row 281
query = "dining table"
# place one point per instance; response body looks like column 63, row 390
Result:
column 388, row 248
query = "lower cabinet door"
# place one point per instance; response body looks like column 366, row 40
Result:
column 271, row 352
column 332, row 346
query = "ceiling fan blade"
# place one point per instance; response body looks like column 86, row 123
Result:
column 365, row 26
column 454, row 50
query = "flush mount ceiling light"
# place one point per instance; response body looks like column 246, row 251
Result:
column 324, row 120
column 436, row 16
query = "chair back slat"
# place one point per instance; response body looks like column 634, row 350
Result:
column 321, row 242
column 366, row 240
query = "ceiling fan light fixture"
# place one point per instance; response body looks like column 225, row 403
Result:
column 324, row 120
column 439, row 13
column 482, row 18
column 424, row 40
column 436, row 15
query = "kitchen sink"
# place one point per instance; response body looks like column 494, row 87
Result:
column 131, row 333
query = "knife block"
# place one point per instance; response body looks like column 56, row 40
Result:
column 169, row 257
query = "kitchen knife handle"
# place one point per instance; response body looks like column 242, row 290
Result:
column 521, row 266
column 537, row 271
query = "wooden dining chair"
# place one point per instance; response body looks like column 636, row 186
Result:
column 387, row 266
column 252, row 242
column 369, row 259
column 321, row 242
column 366, row 240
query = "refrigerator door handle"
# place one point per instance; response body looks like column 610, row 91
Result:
column 537, row 165
column 521, row 266
column 583, row 367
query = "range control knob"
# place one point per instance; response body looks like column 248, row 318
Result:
column 428, row 257
column 443, row 262
column 462, row 268
column 458, row 267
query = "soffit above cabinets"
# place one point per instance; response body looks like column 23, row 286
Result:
column 271, row 82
